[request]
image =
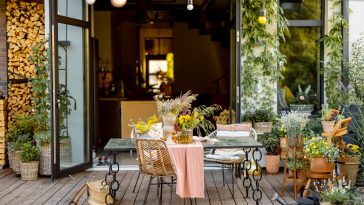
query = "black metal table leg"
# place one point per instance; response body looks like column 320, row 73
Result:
column 111, row 181
column 257, row 176
column 247, row 183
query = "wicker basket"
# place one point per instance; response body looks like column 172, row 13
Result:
column 15, row 158
column 97, row 193
column 65, row 150
column 45, row 160
column 29, row 171
column 263, row 126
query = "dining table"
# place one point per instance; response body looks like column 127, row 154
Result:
column 250, row 147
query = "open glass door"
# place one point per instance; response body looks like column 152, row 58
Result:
column 235, row 61
column 71, row 120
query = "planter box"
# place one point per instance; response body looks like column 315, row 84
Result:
column 302, row 108
column 263, row 126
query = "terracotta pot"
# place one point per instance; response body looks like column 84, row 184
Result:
column 300, row 173
column 272, row 163
column 328, row 126
column 321, row 165
column 283, row 145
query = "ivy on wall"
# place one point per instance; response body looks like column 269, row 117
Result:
column 333, row 41
column 262, row 59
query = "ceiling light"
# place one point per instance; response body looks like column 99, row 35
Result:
column 118, row 3
column 189, row 5
column 90, row 2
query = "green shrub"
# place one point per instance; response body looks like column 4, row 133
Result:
column 29, row 153
column 271, row 144
column 290, row 164
column 248, row 117
column 42, row 137
column 264, row 115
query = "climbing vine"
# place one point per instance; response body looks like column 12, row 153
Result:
column 262, row 59
column 333, row 41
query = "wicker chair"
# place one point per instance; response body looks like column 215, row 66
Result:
column 232, row 158
column 154, row 160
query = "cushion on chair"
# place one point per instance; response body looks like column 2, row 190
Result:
column 222, row 157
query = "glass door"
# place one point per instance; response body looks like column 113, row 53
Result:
column 235, row 60
column 71, row 104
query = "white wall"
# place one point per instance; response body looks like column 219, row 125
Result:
column 356, row 25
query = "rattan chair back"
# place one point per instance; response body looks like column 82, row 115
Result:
column 154, row 158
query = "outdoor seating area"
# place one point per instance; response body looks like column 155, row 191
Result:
column 146, row 102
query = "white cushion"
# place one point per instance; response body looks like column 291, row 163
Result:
column 221, row 157
column 232, row 133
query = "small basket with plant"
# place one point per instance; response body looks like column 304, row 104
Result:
column 29, row 162
column 263, row 120
column 299, row 169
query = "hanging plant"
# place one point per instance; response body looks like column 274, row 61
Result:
column 261, row 55
column 333, row 42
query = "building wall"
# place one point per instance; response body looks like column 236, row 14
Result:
column 3, row 49
column 355, row 20
column 198, row 61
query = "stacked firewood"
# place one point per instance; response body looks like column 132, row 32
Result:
column 25, row 28
column 2, row 132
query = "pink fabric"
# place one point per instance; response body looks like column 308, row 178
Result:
column 188, row 160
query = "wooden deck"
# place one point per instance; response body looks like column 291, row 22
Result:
column 44, row 191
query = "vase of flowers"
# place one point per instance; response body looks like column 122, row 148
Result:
column 142, row 128
column 294, row 124
column 321, row 153
column 328, row 117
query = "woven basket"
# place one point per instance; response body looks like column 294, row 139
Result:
column 45, row 160
column 10, row 154
column 65, row 150
column 15, row 158
column 97, row 193
column 29, row 171
column 263, row 126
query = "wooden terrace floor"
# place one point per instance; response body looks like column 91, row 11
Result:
column 44, row 191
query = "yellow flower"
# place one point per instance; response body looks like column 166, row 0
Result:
column 307, row 149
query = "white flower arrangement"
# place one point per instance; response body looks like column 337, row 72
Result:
column 294, row 123
column 177, row 105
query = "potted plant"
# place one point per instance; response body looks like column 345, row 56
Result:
column 329, row 116
column 248, row 118
column 142, row 128
column 263, row 120
column 272, row 157
column 321, row 154
column 29, row 162
column 304, row 102
column 19, row 132
column 352, row 157
column 294, row 124
column 299, row 168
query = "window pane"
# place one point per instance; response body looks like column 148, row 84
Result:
column 71, row 96
column 72, row 8
column 302, row 10
column 303, row 59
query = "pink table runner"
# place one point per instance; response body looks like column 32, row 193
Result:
column 188, row 160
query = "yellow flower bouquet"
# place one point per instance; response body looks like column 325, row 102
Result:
column 142, row 127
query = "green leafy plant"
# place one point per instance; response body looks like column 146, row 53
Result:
column 40, row 87
column 340, row 193
column 43, row 137
column 23, row 125
column 248, row 117
column 290, row 165
column 263, row 60
column 333, row 41
column 264, row 115
column 356, row 67
column 198, row 119
column 313, row 127
column 319, row 147
column 271, row 144
column 29, row 153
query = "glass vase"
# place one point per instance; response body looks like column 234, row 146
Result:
column 186, row 137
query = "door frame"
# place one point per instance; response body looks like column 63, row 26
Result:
column 55, row 19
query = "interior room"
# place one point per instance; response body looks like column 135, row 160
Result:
column 159, row 48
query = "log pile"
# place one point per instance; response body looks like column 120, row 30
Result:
column 25, row 28
column 2, row 133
